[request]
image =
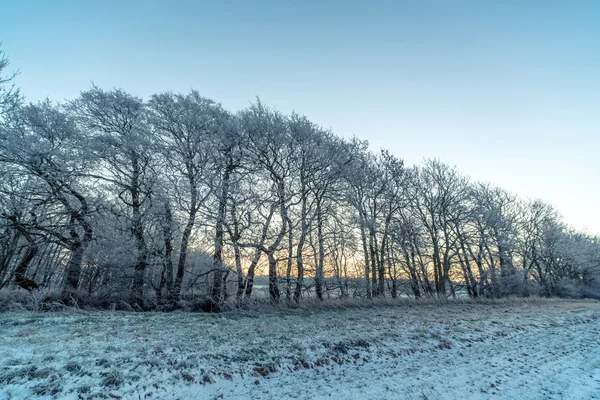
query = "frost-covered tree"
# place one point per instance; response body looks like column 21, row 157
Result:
column 10, row 96
column 124, row 153
column 269, row 148
column 173, row 198
column 44, row 144
column 437, row 196
column 188, row 128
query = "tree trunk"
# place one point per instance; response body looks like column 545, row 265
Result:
column 32, row 249
column 74, row 267
column 78, row 248
column 374, row 259
column 300, row 270
column 251, row 271
column 138, row 233
column 240, row 275
column 382, row 253
column 319, row 278
column 288, row 271
column 363, row 236
column 166, row 276
column 235, row 236
column 273, row 278
column 274, row 293
column 185, row 239
column 413, row 275
column 217, row 293
column 300, row 247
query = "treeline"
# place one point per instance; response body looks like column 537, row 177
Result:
column 111, row 196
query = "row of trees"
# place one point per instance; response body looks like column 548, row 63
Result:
column 108, row 194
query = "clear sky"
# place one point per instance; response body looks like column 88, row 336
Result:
column 508, row 91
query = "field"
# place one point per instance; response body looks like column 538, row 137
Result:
column 537, row 349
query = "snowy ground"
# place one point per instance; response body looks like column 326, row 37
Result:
column 534, row 350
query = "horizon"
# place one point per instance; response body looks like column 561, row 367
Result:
column 505, row 92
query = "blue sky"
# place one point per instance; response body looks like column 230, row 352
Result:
column 509, row 91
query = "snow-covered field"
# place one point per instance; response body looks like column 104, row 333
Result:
column 510, row 350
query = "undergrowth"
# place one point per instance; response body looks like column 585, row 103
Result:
column 45, row 301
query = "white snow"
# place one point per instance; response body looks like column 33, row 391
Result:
column 508, row 350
